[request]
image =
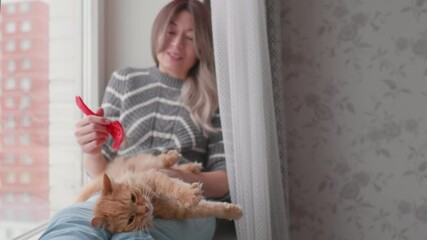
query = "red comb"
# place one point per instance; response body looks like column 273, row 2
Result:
column 115, row 128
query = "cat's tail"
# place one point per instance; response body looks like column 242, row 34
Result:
column 89, row 189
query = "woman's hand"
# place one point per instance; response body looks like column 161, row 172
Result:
column 91, row 132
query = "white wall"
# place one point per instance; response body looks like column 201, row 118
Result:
column 128, row 33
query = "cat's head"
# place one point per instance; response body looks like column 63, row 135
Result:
column 122, row 208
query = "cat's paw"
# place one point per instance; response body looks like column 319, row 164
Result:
column 195, row 167
column 193, row 196
column 171, row 158
column 233, row 211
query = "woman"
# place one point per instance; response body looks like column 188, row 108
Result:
column 171, row 106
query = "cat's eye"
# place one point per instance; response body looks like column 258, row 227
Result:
column 133, row 198
column 131, row 219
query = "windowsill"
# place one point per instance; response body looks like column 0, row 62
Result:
column 33, row 234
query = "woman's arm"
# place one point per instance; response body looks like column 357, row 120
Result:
column 91, row 133
column 94, row 164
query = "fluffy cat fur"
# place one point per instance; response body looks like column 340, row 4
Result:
column 133, row 192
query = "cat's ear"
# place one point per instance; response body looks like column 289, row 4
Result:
column 108, row 185
column 99, row 222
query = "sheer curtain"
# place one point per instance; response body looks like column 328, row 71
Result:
column 247, row 55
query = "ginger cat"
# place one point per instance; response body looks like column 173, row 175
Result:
column 133, row 192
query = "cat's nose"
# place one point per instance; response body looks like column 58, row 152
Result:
column 141, row 209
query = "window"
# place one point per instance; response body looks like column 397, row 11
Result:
column 24, row 7
column 25, row 45
column 11, row 65
column 26, row 64
column 10, row 197
column 10, row 179
column 10, row 27
column 9, row 140
column 25, row 102
column 11, row 8
column 26, row 159
column 10, row 103
column 10, row 46
column 25, row 84
column 25, row 178
column 10, row 122
column 25, row 120
column 25, row 26
column 25, row 139
column 10, row 159
column 10, row 83
column 25, row 198
column 37, row 114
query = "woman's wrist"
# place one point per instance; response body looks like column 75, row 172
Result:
column 94, row 163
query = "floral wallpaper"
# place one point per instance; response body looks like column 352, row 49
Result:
column 355, row 88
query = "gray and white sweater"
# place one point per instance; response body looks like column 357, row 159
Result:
column 146, row 102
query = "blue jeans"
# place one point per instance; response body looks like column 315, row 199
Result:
column 73, row 222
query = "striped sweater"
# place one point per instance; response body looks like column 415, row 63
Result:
column 146, row 102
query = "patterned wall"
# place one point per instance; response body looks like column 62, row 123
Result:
column 355, row 74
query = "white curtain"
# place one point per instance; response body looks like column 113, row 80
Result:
column 249, row 112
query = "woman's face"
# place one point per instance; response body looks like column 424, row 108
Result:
column 179, row 55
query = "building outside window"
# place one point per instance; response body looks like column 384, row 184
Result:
column 40, row 162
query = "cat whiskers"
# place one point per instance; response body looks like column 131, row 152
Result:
column 148, row 193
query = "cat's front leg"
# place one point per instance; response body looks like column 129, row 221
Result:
column 185, row 194
column 192, row 167
column 169, row 158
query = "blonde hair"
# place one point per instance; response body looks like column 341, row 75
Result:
column 199, row 91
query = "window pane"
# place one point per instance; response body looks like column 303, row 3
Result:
column 10, row 46
column 40, row 73
column 25, row 44
column 10, row 83
column 11, row 9
column 26, row 26
column 10, row 27
column 25, row 7
column 26, row 64
column 11, row 66
column 25, row 84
